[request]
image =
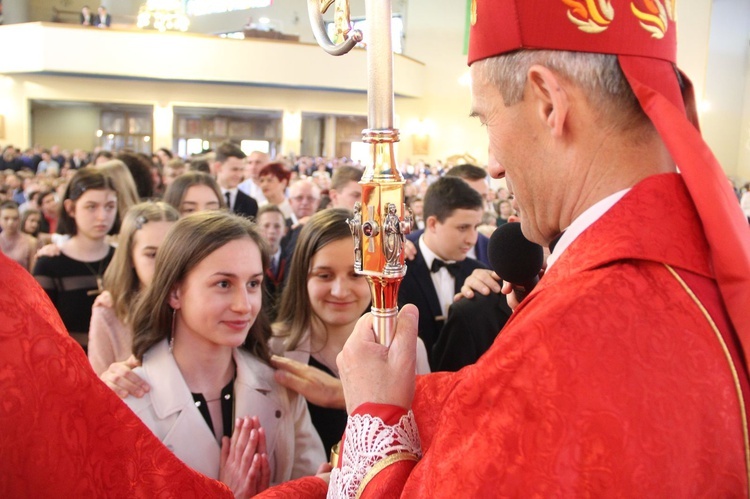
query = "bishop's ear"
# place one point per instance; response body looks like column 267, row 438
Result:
column 550, row 98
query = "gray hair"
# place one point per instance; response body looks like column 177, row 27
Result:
column 598, row 75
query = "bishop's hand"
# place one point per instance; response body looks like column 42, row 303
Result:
column 371, row 372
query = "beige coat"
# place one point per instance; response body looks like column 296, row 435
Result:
column 168, row 409
column 109, row 339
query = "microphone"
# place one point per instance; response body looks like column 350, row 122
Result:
column 515, row 259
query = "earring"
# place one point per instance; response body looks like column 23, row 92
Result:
column 171, row 336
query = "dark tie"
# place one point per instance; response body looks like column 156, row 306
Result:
column 453, row 268
column 229, row 200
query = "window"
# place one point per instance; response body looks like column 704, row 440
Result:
column 126, row 129
column 199, row 129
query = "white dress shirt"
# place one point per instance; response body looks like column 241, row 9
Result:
column 583, row 222
column 251, row 189
column 444, row 282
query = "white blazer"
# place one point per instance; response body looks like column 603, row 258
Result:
column 168, row 409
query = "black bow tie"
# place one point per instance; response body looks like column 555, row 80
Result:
column 452, row 267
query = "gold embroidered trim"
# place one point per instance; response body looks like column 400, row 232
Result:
column 381, row 465
column 732, row 368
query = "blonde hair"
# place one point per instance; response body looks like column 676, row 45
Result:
column 122, row 179
column 120, row 278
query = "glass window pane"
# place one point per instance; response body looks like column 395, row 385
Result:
column 139, row 124
column 113, row 122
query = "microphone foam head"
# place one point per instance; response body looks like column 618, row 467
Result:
column 512, row 256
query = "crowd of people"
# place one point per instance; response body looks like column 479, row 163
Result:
column 229, row 318
column 221, row 285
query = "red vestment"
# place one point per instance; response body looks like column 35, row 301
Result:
column 63, row 433
column 608, row 380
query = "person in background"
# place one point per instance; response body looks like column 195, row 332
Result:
column 102, row 19
column 320, row 305
column 132, row 267
column 274, row 180
column 304, row 198
column 272, row 228
column 505, row 211
column 194, row 191
column 15, row 243
column 74, row 278
column 157, row 179
column 140, row 168
column 50, row 209
column 48, row 166
column 488, row 225
column 228, row 168
column 102, row 157
column 122, row 179
column 416, row 204
column 79, row 160
column 173, row 169
column 476, row 177
column 452, row 211
column 30, row 222
column 200, row 333
column 31, row 196
column 254, row 162
column 59, row 156
column 163, row 156
column 87, row 19
column 345, row 189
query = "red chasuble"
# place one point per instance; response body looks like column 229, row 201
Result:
column 618, row 376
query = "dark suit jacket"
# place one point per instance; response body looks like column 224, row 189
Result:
column 274, row 285
column 289, row 241
column 469, row 331
column 417, row 288
column 98, row 21
column 480, row 247
column 245, row 205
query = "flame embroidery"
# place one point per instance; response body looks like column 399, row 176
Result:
column 473, row 15
column 655, row 17
column 591, row 16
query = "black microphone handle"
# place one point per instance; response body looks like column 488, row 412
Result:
column 521, row 291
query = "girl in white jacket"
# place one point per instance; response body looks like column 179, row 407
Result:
column 201, row 335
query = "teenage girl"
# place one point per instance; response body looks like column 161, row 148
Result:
column 130, row 272
column 75, row 277
column 200, row 335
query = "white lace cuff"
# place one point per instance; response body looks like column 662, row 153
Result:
column 367, row 442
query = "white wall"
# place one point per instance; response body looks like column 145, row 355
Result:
column 725, row 121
